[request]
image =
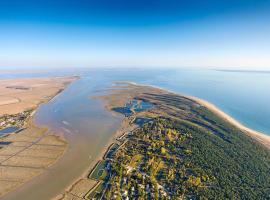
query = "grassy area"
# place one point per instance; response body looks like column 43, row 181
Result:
column 100, row 171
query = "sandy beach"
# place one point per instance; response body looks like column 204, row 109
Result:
column 258, row 136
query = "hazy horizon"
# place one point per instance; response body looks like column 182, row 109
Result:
column 33, row 69
column 210, row 34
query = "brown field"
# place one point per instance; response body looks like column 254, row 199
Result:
column 17, row 95
column 79, row 189
column 31, row 152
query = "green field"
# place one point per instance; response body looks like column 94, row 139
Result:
column 99, row 172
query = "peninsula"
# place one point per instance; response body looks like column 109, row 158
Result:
column 170, row 146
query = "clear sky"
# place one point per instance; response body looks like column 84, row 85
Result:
column 85, row 33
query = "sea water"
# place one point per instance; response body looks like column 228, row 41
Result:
column 245, row 95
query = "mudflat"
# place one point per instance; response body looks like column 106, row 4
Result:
column 30, row 151
column 29, row 154
column 17, row 95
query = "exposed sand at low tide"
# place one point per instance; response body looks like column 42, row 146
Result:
column 17, row 95
column 83, row 151
column 34, row 149
column 31, row 152
column 72, row 191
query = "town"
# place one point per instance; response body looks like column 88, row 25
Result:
column 17, row 120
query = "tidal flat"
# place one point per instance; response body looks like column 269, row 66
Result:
column 26, row 150
column 84, row 144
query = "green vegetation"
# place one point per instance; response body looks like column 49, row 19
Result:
column 187, row 152
column 111, row 150
column 100, row 171
column 171, row 158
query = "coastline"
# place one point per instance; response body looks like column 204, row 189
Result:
column 211, row 146
column 45, row 135
column 117, row 134
column 258, row 136
column 29, row 93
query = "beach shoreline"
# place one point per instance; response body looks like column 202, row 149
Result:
column 260, row 137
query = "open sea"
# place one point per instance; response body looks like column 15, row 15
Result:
column 245, row 95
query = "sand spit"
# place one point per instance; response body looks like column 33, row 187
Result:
column 120, row 93
column 256, row 135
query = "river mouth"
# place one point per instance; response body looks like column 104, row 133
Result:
column 88, row 128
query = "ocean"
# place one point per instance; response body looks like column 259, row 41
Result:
column 245, row 95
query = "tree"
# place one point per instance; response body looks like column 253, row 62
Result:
column 194, row 181
column 163, row 151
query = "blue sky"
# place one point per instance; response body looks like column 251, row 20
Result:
column 175, row 33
